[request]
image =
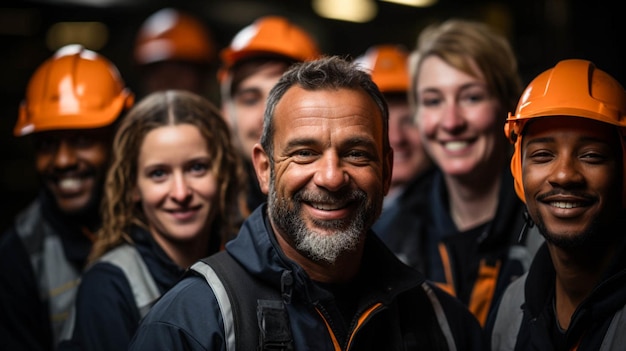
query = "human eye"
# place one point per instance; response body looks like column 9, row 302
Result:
column 539, row 154
column 248, row 98
column 45, row 144
column 430, row 100
column 359, row 156
column 157, row 174
column 82, row 141
column 474, row 96
column 199, row 167
column 303, row 155
column 596, row 154
column 407, row 121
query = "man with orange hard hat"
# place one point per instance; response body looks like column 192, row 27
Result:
column 253, row 62
column 568, row 166
column 72, row 105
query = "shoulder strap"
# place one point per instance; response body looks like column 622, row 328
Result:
column 240, row 295
column 127, row 258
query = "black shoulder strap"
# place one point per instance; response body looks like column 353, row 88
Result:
column 250, row 296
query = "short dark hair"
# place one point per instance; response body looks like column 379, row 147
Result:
column 328, row 72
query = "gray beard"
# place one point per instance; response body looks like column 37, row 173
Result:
column 321, row 247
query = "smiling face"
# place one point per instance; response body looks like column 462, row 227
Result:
column 329, row 173
column 409, row 156
column 458, row 119
column 572, row 178
column 245, row 110
column 72, row 165
column 175, row 184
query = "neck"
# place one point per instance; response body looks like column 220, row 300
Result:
column 473, row 203
column 578, row 272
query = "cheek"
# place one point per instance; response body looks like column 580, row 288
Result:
column 97, row 156
column 290, row 179
column 42, row 161
column 150, row 194
column 532, row 180
column 426, row 122
column 207, row 188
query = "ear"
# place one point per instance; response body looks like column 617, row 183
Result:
column 262, row 167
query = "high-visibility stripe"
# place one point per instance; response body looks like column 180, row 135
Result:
column 448, row 285
column 336, row 345
column 222, row 300
column 484, row 289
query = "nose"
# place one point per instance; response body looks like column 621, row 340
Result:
column 331, row 174
column 65, row 155
column 566, row 172
column 181, row 191
column 452, row 117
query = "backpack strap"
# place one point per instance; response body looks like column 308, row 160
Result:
column 240, row 295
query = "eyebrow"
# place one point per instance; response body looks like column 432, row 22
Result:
column 351, row 142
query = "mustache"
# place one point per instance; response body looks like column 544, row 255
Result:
column 560, row 192
column 349, row 195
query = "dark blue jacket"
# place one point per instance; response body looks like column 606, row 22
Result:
column 385, row 297
column 41, row 258
column 481, row 262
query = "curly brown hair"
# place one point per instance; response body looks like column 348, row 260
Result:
column 171, row 107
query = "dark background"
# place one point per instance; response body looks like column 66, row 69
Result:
column 541, row 32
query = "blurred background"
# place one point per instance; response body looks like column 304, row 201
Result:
column 541, row 31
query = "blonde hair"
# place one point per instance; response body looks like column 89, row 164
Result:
column 458, row 42
column 119, row 210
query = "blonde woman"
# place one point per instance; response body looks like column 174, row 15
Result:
column 464, row 81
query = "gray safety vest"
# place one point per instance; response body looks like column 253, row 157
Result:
column 57, row 278
column 145, row 291
column 510, row 314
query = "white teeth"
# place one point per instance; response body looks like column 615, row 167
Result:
column 455, row 145
column 561, row 204
column 325, row 207
column 70, row 184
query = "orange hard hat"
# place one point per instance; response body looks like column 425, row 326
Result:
column 388, row 65
column 573, row 87
column 170, row 34
column 74, row 89
column 270, row 35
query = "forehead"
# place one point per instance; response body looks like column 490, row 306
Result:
column 435, row 71
column 572, row 126
column 306, row 111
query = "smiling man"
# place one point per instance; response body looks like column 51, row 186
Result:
column 568, row 167
column 324, row 159
column 73, row 102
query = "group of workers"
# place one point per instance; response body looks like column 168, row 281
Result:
column 405, row 199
